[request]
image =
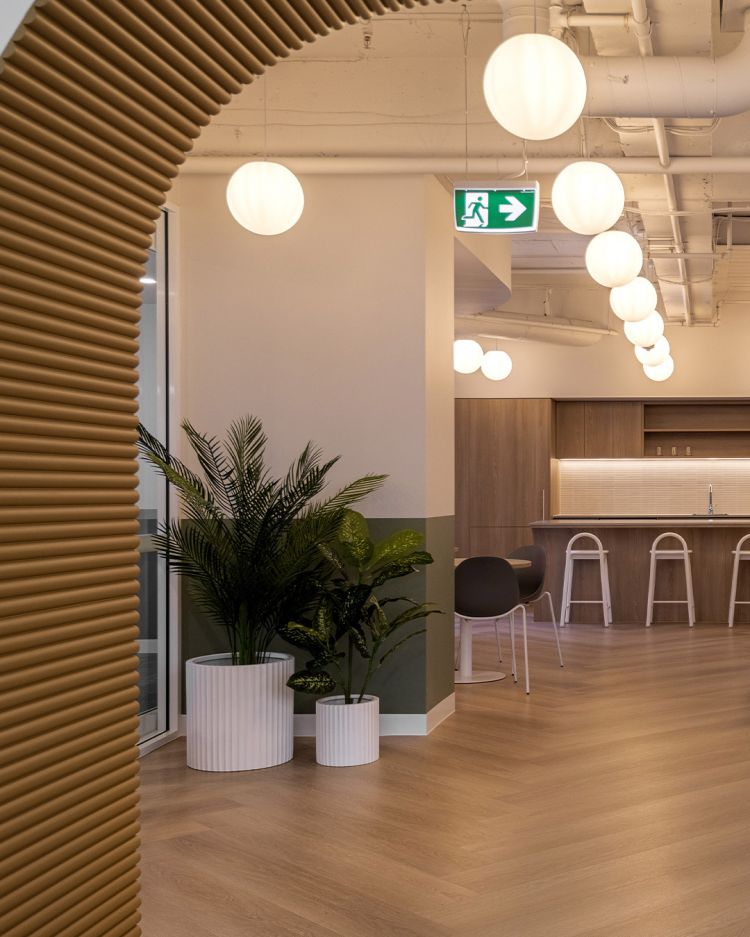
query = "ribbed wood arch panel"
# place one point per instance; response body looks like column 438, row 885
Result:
column 100, row 100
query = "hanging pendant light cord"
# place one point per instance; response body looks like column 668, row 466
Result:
column 265, row 117
column 465, row 30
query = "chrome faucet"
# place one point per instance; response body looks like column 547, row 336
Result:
column 710, row 499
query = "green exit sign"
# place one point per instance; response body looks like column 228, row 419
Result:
column 496, row 209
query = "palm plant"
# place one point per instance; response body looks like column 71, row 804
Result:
column 351, row 617
column 250, row 544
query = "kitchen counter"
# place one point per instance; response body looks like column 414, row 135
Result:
column 666, row 521
column 628, row 540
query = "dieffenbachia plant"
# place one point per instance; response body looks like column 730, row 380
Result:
column 352, row 618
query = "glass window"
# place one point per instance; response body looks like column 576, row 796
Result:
column 153, row 412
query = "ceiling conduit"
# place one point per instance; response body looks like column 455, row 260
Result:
column 677, row 86
column 649, row 86
column 499, row 324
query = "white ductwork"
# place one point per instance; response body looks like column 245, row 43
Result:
column 670, row 86
column 524, row 16
column 555, row 330
column 654, row 86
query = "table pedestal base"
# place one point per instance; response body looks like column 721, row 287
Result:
column 479, row 676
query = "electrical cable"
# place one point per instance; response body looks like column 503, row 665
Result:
column 465, row 30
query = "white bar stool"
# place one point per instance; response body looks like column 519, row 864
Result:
column 670, row 554
column 739, row 554
column 571, row 555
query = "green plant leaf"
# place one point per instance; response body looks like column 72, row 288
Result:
column 413, row 614
column 396, row 547
column 330, row 554
column 303, row 636
column 316, row 683
column 360, row 642
column 354, row 537
column 323, row 621
column 253, row 547
column 354, row 491
column 394, row 571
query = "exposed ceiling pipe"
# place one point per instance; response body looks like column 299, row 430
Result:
column 524, row 16
column 550, row 271
column 478, row 165
column 561, row 19
column 643, row 28
column 556, row 330
column 670, row 86
column 679, row 246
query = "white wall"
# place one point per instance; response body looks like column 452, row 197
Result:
column 709, row 362
column 339, row 330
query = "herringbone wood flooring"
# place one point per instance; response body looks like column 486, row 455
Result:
column 612, row 802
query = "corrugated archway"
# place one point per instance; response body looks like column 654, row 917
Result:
column 100, row 101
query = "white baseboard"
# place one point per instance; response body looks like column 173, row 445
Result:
column 441, row 712
column 390, row 723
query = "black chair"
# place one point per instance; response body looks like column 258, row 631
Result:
column 487, row 590
column 531, row 582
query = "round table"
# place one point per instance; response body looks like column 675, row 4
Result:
column 466, row 672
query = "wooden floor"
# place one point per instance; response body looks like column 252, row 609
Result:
column 612, row 802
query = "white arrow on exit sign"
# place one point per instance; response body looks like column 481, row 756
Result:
column 514, row 209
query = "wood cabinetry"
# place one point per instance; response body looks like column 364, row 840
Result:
column 503, row 452
column 629, row 429
column 705, row 429
column 597, row 429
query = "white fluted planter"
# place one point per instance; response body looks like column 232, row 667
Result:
column 239, row 718
column 347, row 735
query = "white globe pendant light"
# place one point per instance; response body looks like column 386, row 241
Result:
column 534, row 86
column 497, row 365
column 467, row 355
column 659, row 372
column 614, row 258
column 654, row 355
column 635, row 301
column 588, row 197
column 646, row 332
column 265, row 197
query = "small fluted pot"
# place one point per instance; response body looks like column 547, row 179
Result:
column 347, row 735
column 239, row 718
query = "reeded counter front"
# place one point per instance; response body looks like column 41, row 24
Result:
column 628, row 540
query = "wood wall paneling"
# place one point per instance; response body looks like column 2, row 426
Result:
column 497, row 541
column 599, row 429
column 627, row 429
column 629, row 571
column 503, row 457
column 569, row 429
column 100, row 102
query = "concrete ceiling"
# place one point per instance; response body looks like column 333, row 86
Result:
column 395, row 87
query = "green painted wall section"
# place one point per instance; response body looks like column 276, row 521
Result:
column 420, row 674
column 439, row 659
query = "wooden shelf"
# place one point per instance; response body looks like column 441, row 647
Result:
column 709, row 429
column 702, row 418
column 693, row 429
